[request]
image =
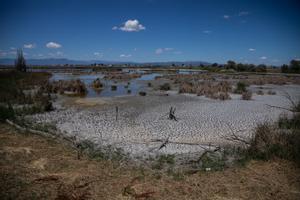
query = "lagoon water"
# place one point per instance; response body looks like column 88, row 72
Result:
column 134, row 85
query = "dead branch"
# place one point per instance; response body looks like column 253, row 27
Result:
column 234, row 137
column 205, row 153
column 164, row 144
column 291, row 110
column 288, row 96
column 172, row 114
column 117, row 112
column 47, row 178
column 144, row 195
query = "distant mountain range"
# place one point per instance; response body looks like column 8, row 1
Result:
column 63, row 61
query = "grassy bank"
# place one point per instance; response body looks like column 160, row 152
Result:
column 21, row 93
column 35, row 167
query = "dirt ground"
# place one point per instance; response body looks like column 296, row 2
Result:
column 35, row 167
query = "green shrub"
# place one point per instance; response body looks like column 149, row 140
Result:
column 165, row 86
column 241, row 87
column 96, row 84
column 114, row 87
column 269, row 142
column 141, row 93
column 6, row 112
column 293, row 123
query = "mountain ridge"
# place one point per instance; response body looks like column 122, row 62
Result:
column 64, row 61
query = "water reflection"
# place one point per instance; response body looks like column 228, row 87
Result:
column 132, row 87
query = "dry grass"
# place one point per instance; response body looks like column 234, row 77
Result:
column 96, row 84
column 214, row 90
column 247, row 95
column 34, row 167
column 75, row 87
column 121, row 76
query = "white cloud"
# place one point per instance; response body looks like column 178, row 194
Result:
column 53, row 45
column 226, row 16
column 162, row 50
column 98, row 54
column 263, row 57
column 251, row 49
column 243, row 13
column 29, row 46
column 130, row 26
column 206, row 31
column 12, row 48
column 125, row 56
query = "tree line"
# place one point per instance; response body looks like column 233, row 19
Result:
column 293, row 67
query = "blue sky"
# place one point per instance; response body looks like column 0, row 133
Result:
column 152, row 30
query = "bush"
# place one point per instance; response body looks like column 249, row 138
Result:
column 224, row 96
column 240, row 88
column 270, row 92
column 76, row 87
column 281, row 140
column 268, row 143
column 289, row 123
column 141, row 93
column 114, row 87
column 6, row 112
column 211, row 89
column 186, row 88
column 97, row 84
column 165, row 86
column 247, row 95
column 260, row 92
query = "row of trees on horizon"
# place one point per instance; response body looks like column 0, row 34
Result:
column 293, row 67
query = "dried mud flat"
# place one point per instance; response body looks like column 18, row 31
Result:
column 142, row 123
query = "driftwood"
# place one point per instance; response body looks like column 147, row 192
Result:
column 117, row 112
column 172, row 114
column 164, row 144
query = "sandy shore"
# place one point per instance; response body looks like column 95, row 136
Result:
column 142, row 121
